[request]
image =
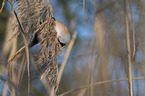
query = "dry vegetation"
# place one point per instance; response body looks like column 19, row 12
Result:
column 108, row 63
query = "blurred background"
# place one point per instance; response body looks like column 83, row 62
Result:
column 99, row 52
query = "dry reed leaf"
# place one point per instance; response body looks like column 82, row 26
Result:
column 98, row 28
column 11, row 68
column 17, row 55
column 9, row 32
column 28, row 61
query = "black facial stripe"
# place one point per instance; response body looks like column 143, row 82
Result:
column 53, row 18
column 62, row 44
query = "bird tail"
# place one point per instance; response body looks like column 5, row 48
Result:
column 17, row 55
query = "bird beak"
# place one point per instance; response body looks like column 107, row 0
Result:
column 61, row 48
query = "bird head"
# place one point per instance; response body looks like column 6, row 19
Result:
column 63, row 34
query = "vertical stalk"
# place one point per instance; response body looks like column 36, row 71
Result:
column 89, row 63
column 128, row 49
column 133, row 31
column 92, row 73
column 28, row 64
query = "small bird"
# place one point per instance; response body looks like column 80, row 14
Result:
column 63, row 37
column 63, row 34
